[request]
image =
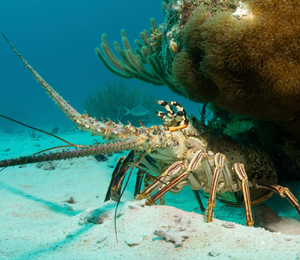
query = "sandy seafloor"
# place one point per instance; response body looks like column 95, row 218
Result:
column 37, row 222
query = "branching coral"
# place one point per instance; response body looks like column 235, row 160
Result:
column 132, row 63
column 110, row 102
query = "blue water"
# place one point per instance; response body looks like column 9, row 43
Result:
column 58, row 38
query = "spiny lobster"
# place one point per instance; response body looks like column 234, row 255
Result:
column 182, row 151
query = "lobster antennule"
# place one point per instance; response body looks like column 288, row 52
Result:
column 111, row 147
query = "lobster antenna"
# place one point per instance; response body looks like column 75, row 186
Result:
column 56, row 147
column 155, row 178
column 115, row 218
column 208, row 114
column 70, row 144
column 202, row 113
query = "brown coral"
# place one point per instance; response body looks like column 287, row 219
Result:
column 246, row 62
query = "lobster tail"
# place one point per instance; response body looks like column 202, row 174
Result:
column 111, row 147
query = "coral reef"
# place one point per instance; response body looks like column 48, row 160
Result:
column 246, row 62
column 240, row 56
column 110, row 102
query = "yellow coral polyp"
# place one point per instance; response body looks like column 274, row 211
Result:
column 156, row 39
column 174, row 46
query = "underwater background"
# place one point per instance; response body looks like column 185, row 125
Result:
column 58, row 39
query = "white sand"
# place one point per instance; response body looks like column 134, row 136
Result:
column 36, row 222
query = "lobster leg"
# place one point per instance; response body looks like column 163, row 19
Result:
column 282, row 191
column 165, row 189
column 198, row 158
column 165, row 177
column 241, row 173
column 219, row 164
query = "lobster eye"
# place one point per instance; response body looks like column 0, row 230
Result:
column 179, row 113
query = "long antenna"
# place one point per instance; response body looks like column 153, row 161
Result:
column 119, row 200
column 70, row 144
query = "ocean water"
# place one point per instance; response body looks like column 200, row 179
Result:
column 58, row 38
